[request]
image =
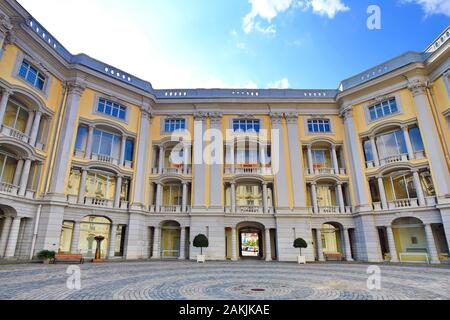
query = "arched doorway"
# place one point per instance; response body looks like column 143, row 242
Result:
column 91, row 227
column 410, row 239
column 170, row 240
column 251, row 240
column 331, row 238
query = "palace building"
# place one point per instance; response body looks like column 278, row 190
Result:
column 360, row 172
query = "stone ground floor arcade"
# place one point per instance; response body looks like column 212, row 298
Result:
column 408, row 236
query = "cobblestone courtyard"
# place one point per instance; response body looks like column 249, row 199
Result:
column 221, row 280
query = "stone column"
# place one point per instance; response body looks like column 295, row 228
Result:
column 75, row 237
column 267, row 245
column 314, row 197
column 216, row 167
column 392, row 247
column 409, row 146
column 29, row 125
column 376, row 158
column 382, row 192
column 161, row 159
column 64, row 144
column 24, row 177
column 278, row 160
column 156, row 243
column 310, row 160
column 199, row 167
column 296, row 158
column 355, row 156
column 118, row 191
column 432, row 143
column 340, row 194
column 182, row 243
column 123, row 146
column 432, row 250
column 232, row 157
column 141, row 181
column 112, row 242
column 184, row 198
column 186, row 161
column 319, row 244
column 158, row 197
column 35, row 128
column 18, row 172
column 82, row 190
column 265, row 194
column 418, row 186
column 233, row 197
column 335, row 159
column 348, row 245
column 12, row 239
column 233, row 244
column 6, row 93
column 4, row 235
column 90, row 141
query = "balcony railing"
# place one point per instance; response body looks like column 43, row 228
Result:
column 419, row 155
column 16, row 134
column 98, row 202
column 326, row 171
column 334, row 210
column 174, row 170
column 393, row 159
column 8, row 188
column 104, row 158
column 169, row 209
column 403, row 203
column 250, row 210
column 249, row 170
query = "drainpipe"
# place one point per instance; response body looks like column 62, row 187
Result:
column 35, row 233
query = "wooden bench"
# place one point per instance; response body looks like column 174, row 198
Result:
column 68, row 257
column 333, row 256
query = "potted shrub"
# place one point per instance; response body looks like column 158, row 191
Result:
column 301, row 244
column 46, row 256
column 201, row 241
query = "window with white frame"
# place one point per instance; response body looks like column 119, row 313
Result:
column 106, row 144
column 31, row 75
column 112, row 109
column 246, row 125
column 319, row 126
column 173, row 125
column 383, row 109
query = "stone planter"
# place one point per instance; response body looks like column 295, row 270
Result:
column 301, row 259
column 201, row 258
column 46, row 261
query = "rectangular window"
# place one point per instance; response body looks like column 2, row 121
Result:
column 80, row 143
column 32, row 75
column 383, row 109
column 129, row 150
column 368, row 150
column 319, row 126
column 243, row 125
column 173, row 125
column 416, row 139
column 391, row 144
column 319, row 159
column 106, row 144
column 111, row 109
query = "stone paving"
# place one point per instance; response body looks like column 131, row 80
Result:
column 248, row 280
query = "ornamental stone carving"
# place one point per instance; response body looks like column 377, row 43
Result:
column 417, row 87
column 292, row 117
column 276, row 117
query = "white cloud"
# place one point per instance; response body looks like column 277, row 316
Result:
column 432, row 6
column 268, row 9
column 327, row 8
column 280, row 84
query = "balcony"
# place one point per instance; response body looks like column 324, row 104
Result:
column 249, row 170
column 334, row 210
column 8, row 188
column 326, row 171
column 16, row 134
column 174, row 209
column 96, row 202
column 174, row 170
column 250, row 210
column 405, row 203
column 104, row 159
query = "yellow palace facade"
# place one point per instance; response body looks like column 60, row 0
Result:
column 361, row 172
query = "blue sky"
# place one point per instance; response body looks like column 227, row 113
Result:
column 241, row 43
